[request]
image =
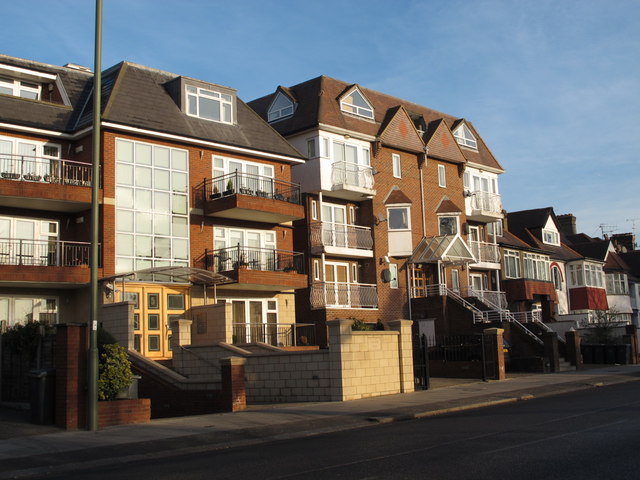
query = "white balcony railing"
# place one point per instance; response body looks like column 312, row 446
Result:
column 352, row 174
column 486, row 202
column 51, row 253
column 485, row 252
column 329, row 234
column 344, row 295
column 492, row 298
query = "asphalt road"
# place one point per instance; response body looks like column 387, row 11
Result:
column 592, row 434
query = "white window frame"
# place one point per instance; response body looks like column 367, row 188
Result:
column 280, row 109
column 512, row 264
column 464, row 137
column 18, row 86
column 550, row 237
column 353, row 109
column 556, row 276
column 393, row 275
column 457, row 224
column 397, row 167
column 536, row 267
column 455, row 280
column 316, row 269
column 407, row 209
column 314, row 210
column 617, row 283
column 223, row 99
column 442, row 176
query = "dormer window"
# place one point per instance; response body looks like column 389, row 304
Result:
column 209, row 104
column 465, row 138
column 281, row 107
column 355, row 103
column 20, row 88
column 550, row 237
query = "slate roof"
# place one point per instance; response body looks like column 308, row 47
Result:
column 318, row 103
column 42, row 114
column 632, row 259
column 137, row 96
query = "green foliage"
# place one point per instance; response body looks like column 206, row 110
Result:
column 230, row 185
column 25, row 337
column 114, row 371
column 379, row 325
column 359, row 325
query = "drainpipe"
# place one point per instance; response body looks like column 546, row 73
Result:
column 424, row 221
column 409, row 290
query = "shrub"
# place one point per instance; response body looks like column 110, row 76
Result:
column 114, row 371
column 359, row 325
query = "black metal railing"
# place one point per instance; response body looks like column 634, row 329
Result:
column 265, row 259
column 45, row 170
column 52, row 253
column 276, row 334
column 249, row 184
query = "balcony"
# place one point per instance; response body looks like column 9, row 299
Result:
column 45, row 183
column 276, row 334
column 491, row 298
column 485, row 253
column 484, row 206
column 343, row 295
column 351, row 181
column 250, row 197
column 44, row 262
column 341, row 240
column 257, row 268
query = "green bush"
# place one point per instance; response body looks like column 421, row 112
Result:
column 114, row 371
column 359, row 325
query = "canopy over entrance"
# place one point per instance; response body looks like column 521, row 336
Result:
column 195, row 276
column 448, row 249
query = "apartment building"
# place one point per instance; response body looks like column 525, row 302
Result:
column 196, row 202
column 401, row 201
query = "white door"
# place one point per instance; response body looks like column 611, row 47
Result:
column 334, row 220
column 28, row 161
column 337, row 284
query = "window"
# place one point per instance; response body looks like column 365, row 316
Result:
column 550, row 237
column 209, row 104
column 356, row 104
column 448, row 225
column 467, row 180
column 20, row 88
column 495, row 228
column 587, row 274
column 464, row 137
column 311, row 148
column 617, row 284
column 281, row 107
column 314, row 210
column 153, row 301
column 231, row 174
column 131, row 297
column 455, row 280
column 153, row 321
column 442, row 179
column 21, row 310
column 396, row 165
column 316, row 270
column 175, row 301
column 398, row 218
column 556, row 276
column 536, row 267
column 136, row 321
column 511, row 264
column 393, row 275
column 152, row 206
column 256, row 248
column 153, row 343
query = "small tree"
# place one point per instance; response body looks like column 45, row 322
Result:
column 602, row 330
column 114, row 371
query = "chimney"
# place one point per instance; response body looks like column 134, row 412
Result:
column 623, row 242
column 567, row 223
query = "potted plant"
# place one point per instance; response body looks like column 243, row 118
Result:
column 216, row 193
column 10, row 175
column 246, row 191
column 32, row 177
column 230, row 190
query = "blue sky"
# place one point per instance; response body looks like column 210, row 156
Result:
column 553, row 86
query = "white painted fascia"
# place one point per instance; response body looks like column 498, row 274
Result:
column 485, row 168
column 42, row 131
column 221, row 146
column 343, row 131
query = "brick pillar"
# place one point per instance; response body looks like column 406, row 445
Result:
column 180, row 333
column 494, row 351
column 405, row 353
column 572, row 339
column 234, row 392
column 631, row 338
column 339, row 336
column 551, row 351
column 71, row 376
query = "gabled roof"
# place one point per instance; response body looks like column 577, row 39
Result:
column 396, row 196
column 397, row 130
column 318, row 104
column 442, row 143
column 447, row 206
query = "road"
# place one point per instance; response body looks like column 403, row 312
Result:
column 592, row 434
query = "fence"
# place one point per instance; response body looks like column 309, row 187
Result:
column 331, row 234
column 14, row 251
column 352, row 174
column 345, row 295
column 45, row 170
column 265, row 259
column 276, row 334
column 250, row 184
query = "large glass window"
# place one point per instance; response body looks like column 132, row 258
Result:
column 209, row 104
column 511, row 264
column 617, row 284
column 448, row 225
column 464, row 137
column 151, row 206
column 355, row 103
column 20, row 88
column 536, row 267
column 587, row 275
column 20, row 310
column 280, row 108
column 399, row 218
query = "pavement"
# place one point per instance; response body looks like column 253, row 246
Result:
column 28, row 450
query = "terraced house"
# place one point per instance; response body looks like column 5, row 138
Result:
column 196, row 204
column 402, row 204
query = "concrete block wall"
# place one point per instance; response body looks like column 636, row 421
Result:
column 117, row 319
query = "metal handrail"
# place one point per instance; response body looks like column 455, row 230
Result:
column 45, row 170
column 347, row 173
column 344, row 295
column 493, row 299
column 276, row 334
column 331, row 234
column 485, row 252
column 488, row 202
column 15, row 251
column 264, row 259
column 252, row 185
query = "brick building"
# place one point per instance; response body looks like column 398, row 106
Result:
column 192, row 181
column 402, row 206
